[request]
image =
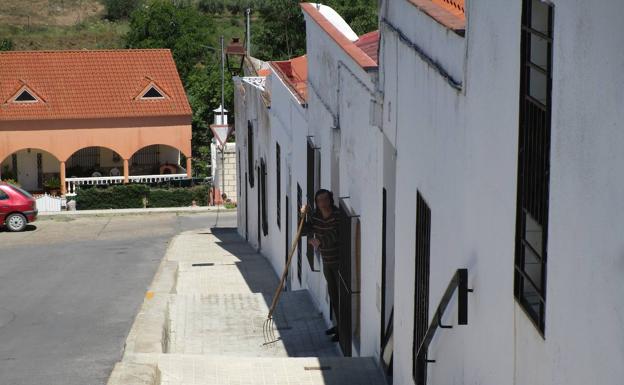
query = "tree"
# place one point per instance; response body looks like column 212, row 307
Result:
column 203, row 88
column 120, row 9
column 190, row 35
column 6, row 44
column 162, row 24
column 281, row 33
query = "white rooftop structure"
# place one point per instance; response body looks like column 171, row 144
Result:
column 337, row 21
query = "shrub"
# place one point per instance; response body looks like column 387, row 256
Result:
column 178, row 197
column 11, row 181
column 211, row 6
column 120, row 9
column 129, row 196
column 138, row 196
column 6, row 45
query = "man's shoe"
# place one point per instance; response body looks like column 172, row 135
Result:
column 335, row 338
column 331, row 331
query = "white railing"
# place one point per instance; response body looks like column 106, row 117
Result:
column 72, row 184
column 156, row 178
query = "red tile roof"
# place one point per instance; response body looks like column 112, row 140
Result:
column 356, row 53
column 294, row 73
column 369, row 43
column 90, row 84
column 449, row 13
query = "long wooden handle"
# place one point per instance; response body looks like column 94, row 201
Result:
column 280, row 287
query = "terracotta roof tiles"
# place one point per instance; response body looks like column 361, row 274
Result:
column 294, row 73
column 90, row 84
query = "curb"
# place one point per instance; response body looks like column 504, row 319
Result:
column 116, row 212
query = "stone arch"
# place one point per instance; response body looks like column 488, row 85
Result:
column 157, row 158
column 86, row 161
column 36, row 169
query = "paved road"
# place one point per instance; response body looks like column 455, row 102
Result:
column 70, row 288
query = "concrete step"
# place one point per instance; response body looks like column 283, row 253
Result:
column 232, row 324
column 127, row 373
column 178, row 369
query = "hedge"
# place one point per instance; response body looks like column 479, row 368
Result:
column 178, row 197
column 138, row 196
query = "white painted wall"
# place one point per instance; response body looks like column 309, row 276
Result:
column 249, row 106
column 352, row 161
column 459, row 149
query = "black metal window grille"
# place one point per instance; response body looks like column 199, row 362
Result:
column 147, row 156
column 39, row 170
column 240, row 184
column 313, row 175
column 287, row 232
column 299, row 253
column 421, row 292
column 278, row 181
column 263, row 173
column 86, row 158
column 534, row 159
column 250, row 154
column 14, row 165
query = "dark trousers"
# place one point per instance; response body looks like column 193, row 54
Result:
column 331, row 276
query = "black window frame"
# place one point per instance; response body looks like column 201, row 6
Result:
column 422, row 259
column 534, row 137
column 278, row 181
column 250, row 154
column 263, row 190
column 299, row 252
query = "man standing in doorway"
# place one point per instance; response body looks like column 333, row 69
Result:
column 321, row 228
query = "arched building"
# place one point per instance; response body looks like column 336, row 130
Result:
column 109, row 114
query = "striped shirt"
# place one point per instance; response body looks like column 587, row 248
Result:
column 326, row 231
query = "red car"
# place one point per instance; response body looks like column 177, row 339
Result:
column 17, row 207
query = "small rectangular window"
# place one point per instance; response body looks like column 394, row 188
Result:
column 278, row 180
column 263, row 173
column 421, row 291
column 250, row 153
column 3, row 196
column 534, row 160
column 299, row 253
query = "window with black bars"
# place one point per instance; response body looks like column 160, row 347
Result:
column 147, row 156
column 263, row 173
column 421, row 291
column 278, row 181
column 240, row 184
column 313, row 177
column 534, row 159
column 250, row 153
column 299, row 253
column 86, row 158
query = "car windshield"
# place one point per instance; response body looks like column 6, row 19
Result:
column 22, row 191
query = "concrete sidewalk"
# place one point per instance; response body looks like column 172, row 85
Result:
column 201, row 323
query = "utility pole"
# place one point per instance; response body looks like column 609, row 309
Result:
column 248, row 12
column 222, row 118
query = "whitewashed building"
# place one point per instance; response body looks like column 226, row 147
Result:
column 304, row 136
column 505, row 121
column 478, row 163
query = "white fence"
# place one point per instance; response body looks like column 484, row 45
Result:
column 48, row 203
column 72, row 184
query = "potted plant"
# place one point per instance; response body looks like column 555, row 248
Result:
column 53, row 186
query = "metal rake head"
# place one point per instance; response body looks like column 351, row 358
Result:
column 268, row 330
